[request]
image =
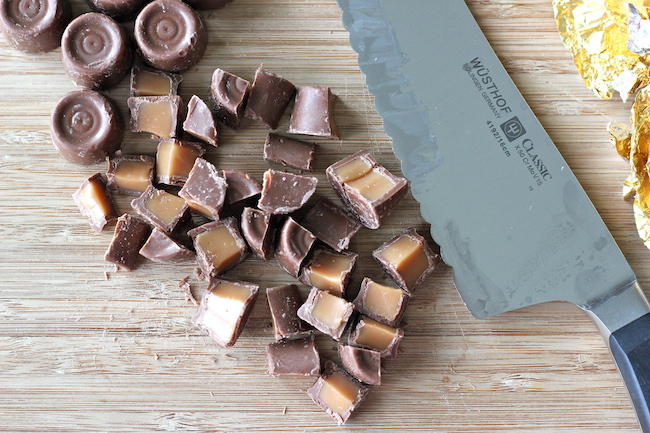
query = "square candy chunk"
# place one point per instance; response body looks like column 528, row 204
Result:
column 162, row 209
column 219, row 246
column 241, row 186
column 376, row 336
column 313, row 112
column 407, row 259
column 326, row 312
column 331, row 224
column 329, row 270
column 382, row 303
column 269, row 97
column 284, row 193
column 228, row 97
column 95, row 203
column 293, row 246
column 258, row 228
column 284, row 302
column 363, row 364
column 130, row 174
column 225, row 309
column 163, row 249
column 205, row 189
column 199, row 121
column 294, row 358
column 289, row 151
column 130, row 234
column 175, row 159
column 152, row 82
column 157, row 115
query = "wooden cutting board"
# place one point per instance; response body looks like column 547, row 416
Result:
column 85, row 348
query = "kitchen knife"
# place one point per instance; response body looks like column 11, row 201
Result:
column 509, row 215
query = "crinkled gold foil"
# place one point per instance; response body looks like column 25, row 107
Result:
column 640, row 146
column 595, row 32
column 643, row 6
column 620, row 135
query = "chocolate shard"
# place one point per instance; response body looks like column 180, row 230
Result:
column 130, row 234
column 294, row 358
column 199, row 121
column 225, row 309
column 219, row 246
column 130, row 174
column 293, row 246
column 205, row 189
column 331, row 224
column 157, row 115
column 284, row 302
column 363, row 364
column 407, row 259
column 373, row 335
column 175, row 159
column 270, row 95
column 162, row 209
column 163, row 249
column 35, row 32
column 329, row 270
column 289, row 151
column 95, row 203
column 258, row 228
column 326, row 312
column 313, row 112
column 228, row 97
column 337, row 393
column 241, row 186
column 153, row 82
column 283, row 193
column 381, row 303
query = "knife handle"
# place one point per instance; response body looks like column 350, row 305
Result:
column 630, row 348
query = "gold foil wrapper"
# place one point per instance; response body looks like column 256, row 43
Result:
column 642, row 6
column 639, row 148
column 620, row 135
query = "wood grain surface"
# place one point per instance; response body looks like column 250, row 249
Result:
column 85, row 348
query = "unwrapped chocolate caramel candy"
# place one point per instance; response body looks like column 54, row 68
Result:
column 382, row 303
column 284, row 302
column 369, row 190
column 163, row 249
column 363, row 364
column 225, row 309
column 119, row 10
column 331, row 224
column 95, row 203
column 130, row 174
column 329, row 270
column 289, row 151
column 407, row 259
column 201, row 5
column 175, row 159
column 34, row 26
column 219, row 246
column 162, row 209
column 258, row 228
column 205, row 189
column 241, row 186
column 313, row 112
column 284, row 193
column 270, row 95
column 157, row 115
column 294, row 358
column 228, row 97
column 153, row 82
column 199, row 121
column 293, row 245
column 376, row 336
column 130, row 234
column 326, row 312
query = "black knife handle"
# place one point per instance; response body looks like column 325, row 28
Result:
column 630, row 348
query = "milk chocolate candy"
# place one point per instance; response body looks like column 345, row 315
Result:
column 96, row 51
column 95, row 203
column 363, row 364
column 163, row 249
column 34, row 26
column 270, row 95
column 205, row 189
column 119, row 10
column 170, row 35
column 241, row 186
column 407, row 259
column 157, row 115
column 329, row 270
column 199, row 121
column 294, row 358
column 284, row 302
column 130, row 174
column 373, row 335
column 313, row 112
column 289, row 151
column 368, row 189
column 337, row 393
column 86, row 127
column 283, row 193
column 201, row 5
column 175, row 159
column 225, row 309
column 326, row 312
column 381, row 303
column 130, row 234
column 153, row 82
column 218, row 245
column 258, row 228
column 331, row 224
column 162, row 209
column 292, row 247
column 228, row 96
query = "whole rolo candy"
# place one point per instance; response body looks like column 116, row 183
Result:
column 34, row 26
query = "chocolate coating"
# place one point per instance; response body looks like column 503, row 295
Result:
column 34, row 26
column 241, row 186
column 170, row 35
column 284, row 302
column 313, row 112
column 258, row 228
column 199, row 121
column 207, row 4
column 96, row 51
column 163, row 249
column 331, row 224
column 129, row 236
column 294, row 358
column 283, row 193
column 119, row 10
column 363, row 364
column 228, row 97
column 293, row 245
column 86, row 127
column 269, row 97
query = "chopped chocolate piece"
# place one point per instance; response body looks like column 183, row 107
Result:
column 407, row 259
column 93, row 201
column 162, row 209
column 284, row 302
column 96, row 51
column 199, row 121
column 313, row 112
column 374, row 335
column 34, row 26
column 331, row 224
column 218, row 245
column 329, row 270
column 326, row 312
column 294, row 358
column 369, row 190
column 157, row 115
column 284, row 193
column 163, row 249
column 225, row 308
column 119, row 10
column 337, row 393
column 289, row 151
column 258, row 228
column 382, row 303
column 241, row 186
column 269, row 97
column 130, row 174
column 228, row 97
column 175, row 159
column 170, row 35
column 363, row 364
column 152, row 82
column 86, row 127
column 205, row 189
column 202, row 5
column 130, row 234
column 293, row 245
